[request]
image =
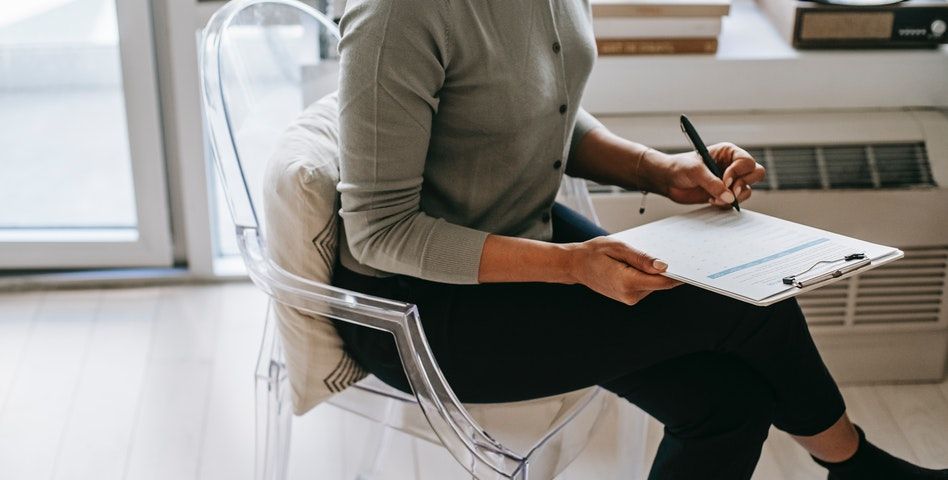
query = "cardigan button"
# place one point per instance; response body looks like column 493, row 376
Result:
column 563, row 108
column 556, row 47
column 545, row 217
column 557, row 164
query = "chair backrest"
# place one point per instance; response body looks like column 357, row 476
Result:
column 262, row 62
column 256, row 86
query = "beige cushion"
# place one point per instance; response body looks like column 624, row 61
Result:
column 300, row 208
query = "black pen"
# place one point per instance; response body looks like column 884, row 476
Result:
column 702, row 150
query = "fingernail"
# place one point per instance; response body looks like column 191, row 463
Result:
column 728, row 182
column 737, row 190
column 727, row 197
column 658, row 264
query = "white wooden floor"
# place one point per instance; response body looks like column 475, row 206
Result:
column 156, row 383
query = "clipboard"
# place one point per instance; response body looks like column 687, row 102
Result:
column 748, row 255
column 840, row 266
column 844, row 273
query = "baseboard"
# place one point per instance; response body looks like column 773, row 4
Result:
column 108, row 278
column 876, row 357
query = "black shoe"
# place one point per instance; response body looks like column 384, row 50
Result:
column 872, row 463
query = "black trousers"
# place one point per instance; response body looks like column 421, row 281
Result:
column 715, row 371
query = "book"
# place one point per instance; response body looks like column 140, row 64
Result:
column 676, row 27
column 660, row 8
column 656, row 46
column 753, row 257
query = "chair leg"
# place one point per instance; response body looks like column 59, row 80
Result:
column 376, row 444
column 285, row 421
column 273, row 424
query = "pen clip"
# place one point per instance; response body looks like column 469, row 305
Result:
column 858, row 260
column 693, row 138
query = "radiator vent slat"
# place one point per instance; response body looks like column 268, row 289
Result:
column 896, row 308
column 897, row 292
column 811, row 309
column 826, row 306
column 832, row 167
column 881, row 282
column 919, row 273
column 908, row 291
column 870, row 166
column 897, row 319
column 849, row 167
column 872, row 301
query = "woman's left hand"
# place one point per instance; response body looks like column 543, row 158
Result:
column 687, row 180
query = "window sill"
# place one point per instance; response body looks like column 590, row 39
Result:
column 756, row 69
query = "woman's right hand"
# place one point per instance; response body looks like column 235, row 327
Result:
column 617, row 270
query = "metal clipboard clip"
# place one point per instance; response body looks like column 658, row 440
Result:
column 853, row 261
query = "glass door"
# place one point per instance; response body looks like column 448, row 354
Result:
column 82, row 179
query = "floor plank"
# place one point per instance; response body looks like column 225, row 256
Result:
column 166, row 442
column 41, row 394
column 103, row 411
column 186, row 326
column 17, row 312
column 228, row 445
column 922, row 416
column 174, row 398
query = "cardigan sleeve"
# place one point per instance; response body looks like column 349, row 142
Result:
column 393, row 57
column 584, row 123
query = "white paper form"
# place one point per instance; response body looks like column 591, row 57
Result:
column 743, row 254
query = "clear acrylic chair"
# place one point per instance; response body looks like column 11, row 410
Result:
column 262, row 62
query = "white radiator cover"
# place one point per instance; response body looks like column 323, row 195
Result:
column 889, row 324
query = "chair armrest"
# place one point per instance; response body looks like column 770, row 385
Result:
column 460, row 434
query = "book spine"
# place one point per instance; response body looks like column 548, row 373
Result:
column 682, row 27
column 656, row 46
column 668, row 10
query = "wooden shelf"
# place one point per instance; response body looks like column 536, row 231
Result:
column 755, row 69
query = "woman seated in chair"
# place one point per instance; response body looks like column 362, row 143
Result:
column 458, row 120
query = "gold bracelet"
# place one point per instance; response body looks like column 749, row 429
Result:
column 638, row 164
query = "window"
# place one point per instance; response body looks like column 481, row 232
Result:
column 83, row 181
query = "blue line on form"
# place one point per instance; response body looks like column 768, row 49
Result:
column 768, row 258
